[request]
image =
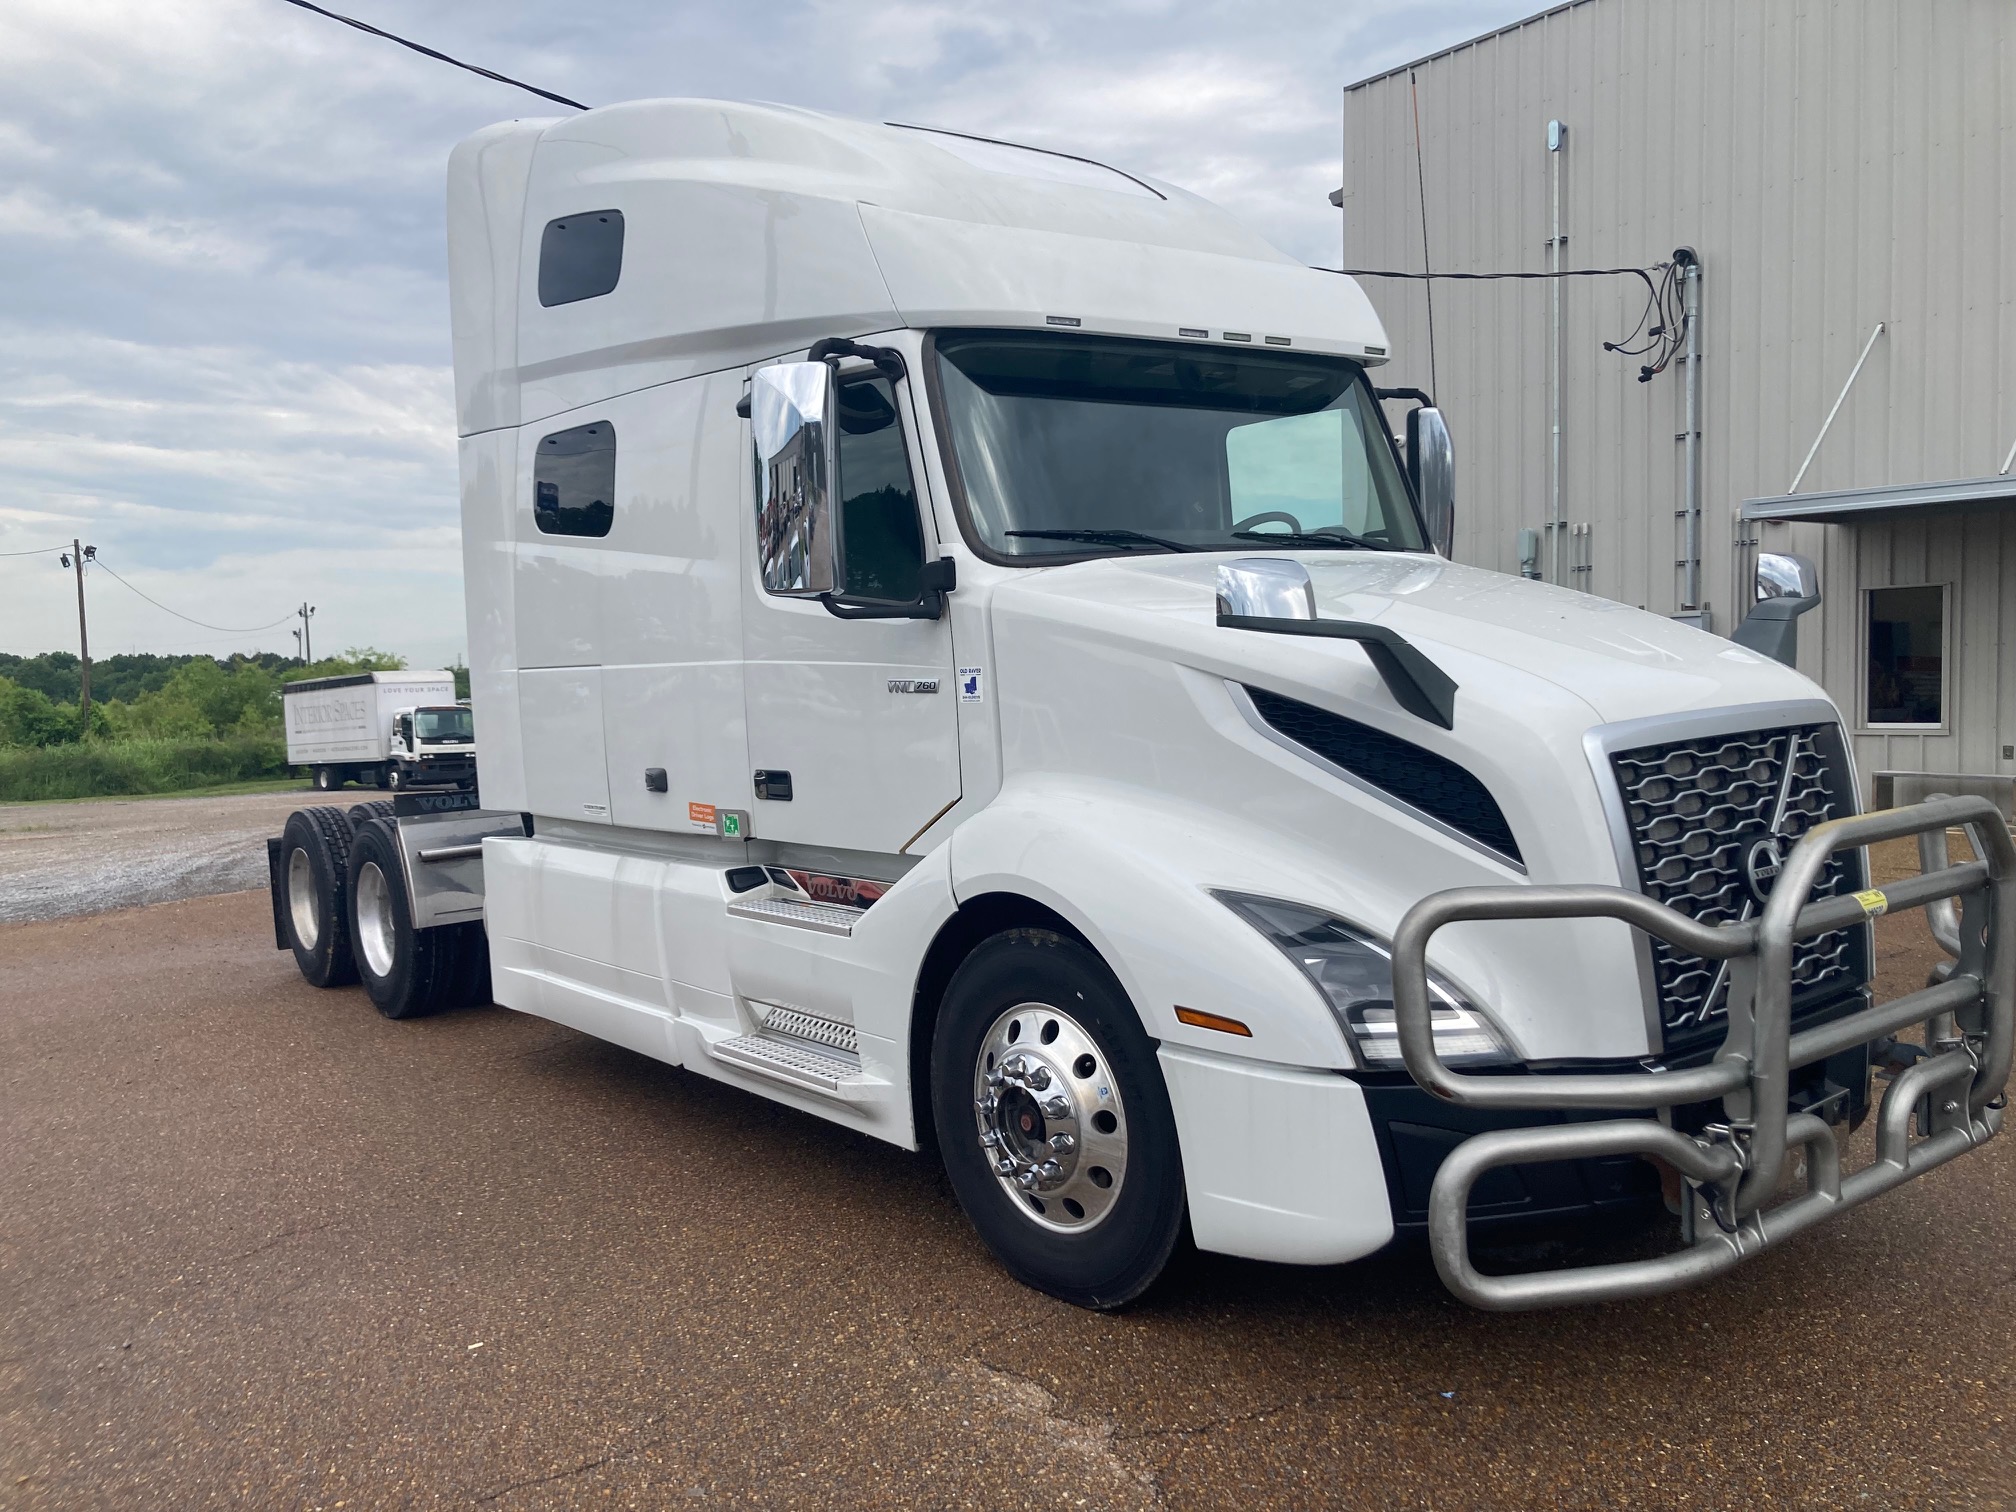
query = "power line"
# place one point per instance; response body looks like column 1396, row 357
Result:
column 220, row 629
column 34, row 551
column 428, row 52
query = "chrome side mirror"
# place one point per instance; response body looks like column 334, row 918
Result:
column 791, row 410
column 1787, row 586
column 1431, row 461
column 1784, row 574
column 1266, row 588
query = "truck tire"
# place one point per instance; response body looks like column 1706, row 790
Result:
column 1053, row 1120
column 396, row 779
column 408, row 972
column 363, row 813
column 315, row 878
column 326, row 779
column 381, row 776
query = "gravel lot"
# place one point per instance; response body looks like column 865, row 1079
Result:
column 59, row 859
column 260, row 1247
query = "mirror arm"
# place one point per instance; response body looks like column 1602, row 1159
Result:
column 888, row 361
column 934, row 580
column 1416, row 683
column 1419, row 396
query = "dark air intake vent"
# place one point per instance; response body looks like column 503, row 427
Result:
column 1434, row 784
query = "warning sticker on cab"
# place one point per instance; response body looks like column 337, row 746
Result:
column 1874, row 902
column 701, row 816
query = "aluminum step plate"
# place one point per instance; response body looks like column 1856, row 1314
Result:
column 826, row 918
column 808, row 1026
column 791, row 1061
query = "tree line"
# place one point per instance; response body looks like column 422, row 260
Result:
column 148, row 697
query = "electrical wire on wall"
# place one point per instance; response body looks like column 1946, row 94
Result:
column 1659, row 335
column 1421, row 187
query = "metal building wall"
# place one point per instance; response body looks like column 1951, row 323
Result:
column 1835, row 163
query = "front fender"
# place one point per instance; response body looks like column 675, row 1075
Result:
column 1133, row 872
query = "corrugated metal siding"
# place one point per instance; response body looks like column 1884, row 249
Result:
column 1835, row 163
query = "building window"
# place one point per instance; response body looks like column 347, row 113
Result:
column 1907, row 656
column 574, row 481
column 580, row 256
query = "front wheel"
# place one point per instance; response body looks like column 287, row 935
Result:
column 395, row 779
column 1054, row 1121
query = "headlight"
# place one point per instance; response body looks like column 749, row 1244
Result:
column 1354, row 971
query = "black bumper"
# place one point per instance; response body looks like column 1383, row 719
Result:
column 1416, row 1131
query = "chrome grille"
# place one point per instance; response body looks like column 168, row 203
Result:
column 1696, row 809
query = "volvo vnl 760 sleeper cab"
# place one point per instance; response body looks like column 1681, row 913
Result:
column 961, row 653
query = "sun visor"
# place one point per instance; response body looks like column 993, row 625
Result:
column 961, row 273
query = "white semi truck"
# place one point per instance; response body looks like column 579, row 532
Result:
column 391, row 729
column 962, row 655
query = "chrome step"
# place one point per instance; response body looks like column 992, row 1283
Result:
column 826, row 918
column 793, row 1061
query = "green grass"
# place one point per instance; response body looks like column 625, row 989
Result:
column 130, row 768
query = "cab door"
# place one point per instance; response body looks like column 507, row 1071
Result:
column 853, row 739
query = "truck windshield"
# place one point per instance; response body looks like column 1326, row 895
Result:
column 1069, row 445
column 441, row 725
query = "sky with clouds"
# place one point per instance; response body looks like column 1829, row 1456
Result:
column 223, row 299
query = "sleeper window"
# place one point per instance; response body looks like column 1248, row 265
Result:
column 1907, row 656
column 574, row 481
column 580, row 256
column 881, row 542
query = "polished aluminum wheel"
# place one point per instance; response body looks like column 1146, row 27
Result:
column 1050, row 1118
column 377, row 935
column 301, row 904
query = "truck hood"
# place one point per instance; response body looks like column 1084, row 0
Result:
column 1622, row 662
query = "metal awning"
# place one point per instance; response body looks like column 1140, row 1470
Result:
column 1848, row 505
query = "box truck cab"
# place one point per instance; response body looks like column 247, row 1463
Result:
column 388, row 729
column 961, row 655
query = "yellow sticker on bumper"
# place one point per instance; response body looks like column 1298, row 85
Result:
column 1873, row 902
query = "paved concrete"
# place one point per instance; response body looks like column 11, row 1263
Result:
column 58, row 859
column 260, row 1247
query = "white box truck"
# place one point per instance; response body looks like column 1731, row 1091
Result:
column 389, row 729
column 962, row 654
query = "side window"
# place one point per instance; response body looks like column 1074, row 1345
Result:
column 1907, row 661
column 881, row 541
column 580, row 256
column 574, row 481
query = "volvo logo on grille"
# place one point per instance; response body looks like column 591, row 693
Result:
column 1761, row 865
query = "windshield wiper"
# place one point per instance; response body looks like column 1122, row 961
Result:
column 1332, row 538
column 1105, row 538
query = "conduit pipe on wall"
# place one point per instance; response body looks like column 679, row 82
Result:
column 1691, row 487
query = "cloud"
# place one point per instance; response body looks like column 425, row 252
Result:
column 223, row 304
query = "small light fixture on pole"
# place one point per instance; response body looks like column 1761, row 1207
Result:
column 75, row 558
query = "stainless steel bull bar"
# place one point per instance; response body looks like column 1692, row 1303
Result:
column 1731, row 1171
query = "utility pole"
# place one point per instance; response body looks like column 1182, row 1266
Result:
column 307, row 612
column 76, row 557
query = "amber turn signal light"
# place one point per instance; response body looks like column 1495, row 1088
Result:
column 1196, row 1018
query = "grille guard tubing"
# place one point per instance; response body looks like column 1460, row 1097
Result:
column 1956, row 1094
